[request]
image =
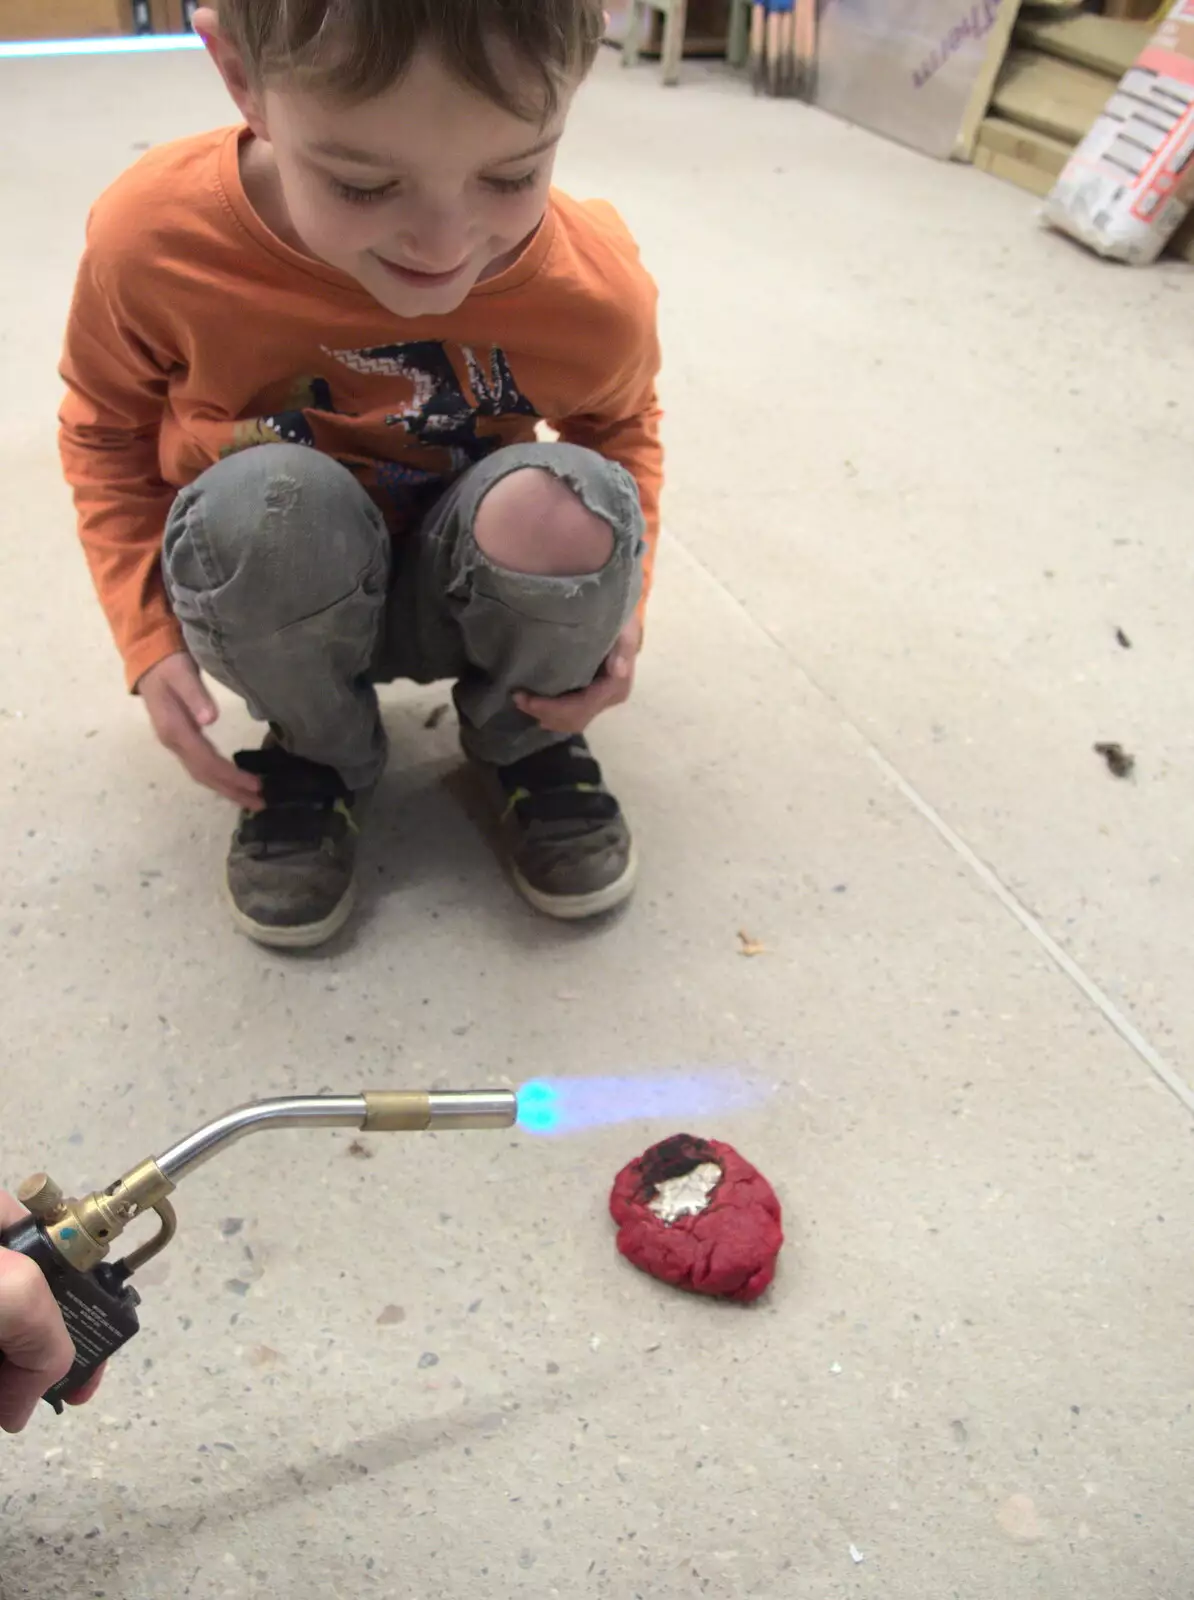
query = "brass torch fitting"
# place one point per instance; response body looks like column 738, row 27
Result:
column 83, row 1230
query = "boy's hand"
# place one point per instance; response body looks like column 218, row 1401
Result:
column 36, row 1347
column 572, row 713
column 180, row 708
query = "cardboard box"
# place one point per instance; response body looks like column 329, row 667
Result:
column 64, row 19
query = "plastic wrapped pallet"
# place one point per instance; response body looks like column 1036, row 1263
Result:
column 1130, row 182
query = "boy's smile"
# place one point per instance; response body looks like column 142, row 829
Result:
column 419, row 193
column 423, row 280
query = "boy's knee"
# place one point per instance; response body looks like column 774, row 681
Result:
column 246, row 527
column 281, row 490
column 530, row 521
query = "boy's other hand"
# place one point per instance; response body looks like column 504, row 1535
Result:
column 572, row 713
column 180, row 708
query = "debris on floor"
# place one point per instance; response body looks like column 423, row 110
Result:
column 1122, row 639
column 750, row 946
column 1018, row 1518
column 359, row 1149
column 436, row 715
column 264, row 1355
column 693, row 1213
column 1120, row 764
column 390, row 1316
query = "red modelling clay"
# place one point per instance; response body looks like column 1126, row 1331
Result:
column 725, row 1230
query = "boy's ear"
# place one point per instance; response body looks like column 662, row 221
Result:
column 231, row 68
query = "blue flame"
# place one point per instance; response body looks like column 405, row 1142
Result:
column 566, row 1105
column 538, row 1107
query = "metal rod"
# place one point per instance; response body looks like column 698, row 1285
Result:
column 288, row 1111
column 387, row 1111
column 473, row 1108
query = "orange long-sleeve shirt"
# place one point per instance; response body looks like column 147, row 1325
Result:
column 196, row 332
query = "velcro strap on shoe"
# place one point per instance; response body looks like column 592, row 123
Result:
column 288, row 780
column 293, row 825
column 571, row 803
column 559, row 766
column 306, row 803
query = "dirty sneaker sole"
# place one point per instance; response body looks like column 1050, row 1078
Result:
column 302, row 936
column 579, row 907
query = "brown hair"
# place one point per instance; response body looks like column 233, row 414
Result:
column 359, row 48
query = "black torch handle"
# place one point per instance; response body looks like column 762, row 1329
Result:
column 99, row 1307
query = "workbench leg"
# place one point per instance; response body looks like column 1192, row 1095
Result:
column 738, row 42
column 674, row 27
column 633, row 39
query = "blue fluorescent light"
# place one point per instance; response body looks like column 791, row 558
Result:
column 134, row 44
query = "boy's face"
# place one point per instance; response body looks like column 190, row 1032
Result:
column 418, row 194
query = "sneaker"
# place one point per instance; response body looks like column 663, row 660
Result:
column 291, row 867
column 571, row 854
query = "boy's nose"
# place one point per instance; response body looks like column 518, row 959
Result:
column 435, row 244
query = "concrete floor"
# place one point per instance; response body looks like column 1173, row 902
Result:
column 924, row 461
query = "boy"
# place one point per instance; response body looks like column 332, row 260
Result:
column 305, row 364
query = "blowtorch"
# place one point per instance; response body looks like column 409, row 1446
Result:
column 69, row 1239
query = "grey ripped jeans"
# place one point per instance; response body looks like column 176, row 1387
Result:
column 290, row 591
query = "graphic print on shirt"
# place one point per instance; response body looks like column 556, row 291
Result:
column 438, row 412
